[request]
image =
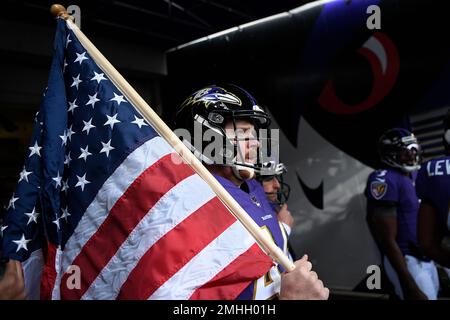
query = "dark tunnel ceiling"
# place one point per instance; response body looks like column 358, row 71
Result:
column 160, row 23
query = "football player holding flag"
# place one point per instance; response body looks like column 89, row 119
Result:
column 233, row 117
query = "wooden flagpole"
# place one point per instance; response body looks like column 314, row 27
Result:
column 263, row 239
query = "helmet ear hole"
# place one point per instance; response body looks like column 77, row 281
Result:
column 216, row 118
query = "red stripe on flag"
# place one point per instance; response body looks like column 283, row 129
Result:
column 231, row 281
column 48, row 276
column 126, row 213
column 175, row 249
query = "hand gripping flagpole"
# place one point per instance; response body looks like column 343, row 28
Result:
column 263, row 239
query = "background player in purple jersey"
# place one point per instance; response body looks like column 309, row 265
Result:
column 277, row 192
column 433, row 188
column 233, row 117
column 392, row 209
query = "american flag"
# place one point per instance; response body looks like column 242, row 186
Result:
column 100, row 191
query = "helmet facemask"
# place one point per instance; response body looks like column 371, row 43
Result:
column 251, row 146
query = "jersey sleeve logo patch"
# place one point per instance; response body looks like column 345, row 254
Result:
column 378, row 189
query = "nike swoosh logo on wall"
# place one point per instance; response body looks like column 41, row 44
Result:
column 315, row 196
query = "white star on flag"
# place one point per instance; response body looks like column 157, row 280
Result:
column 70, row 133
column 80, row 57
column 32, row 216
column 88, row 126
column 67, row 159
column 65, row 213
column 118, row 98
column 98, row 77
column 65, row 65
column 11, row 202
column 72, row 105
column 35, row 149
column 24, row 174
column 68, row 40
column 57, row 179
column 22, row 243
column 111, row 121
column 92, row 100
column 84, row 153
column 107, row 147
column 76, row 81
column 65, row 186
column 81, row 182
column 56, row 222
column 2, row 228
column 64, row 138
column 139, row 122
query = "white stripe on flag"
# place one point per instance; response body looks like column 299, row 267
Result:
column 171, row 209
column 32, row 270
column 217, row 255
column 56, row 292
column 111, row 191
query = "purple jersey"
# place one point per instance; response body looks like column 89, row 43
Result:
column 392, row 186
column 255, row 203
column 433, row 186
